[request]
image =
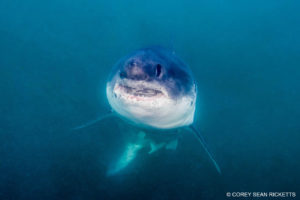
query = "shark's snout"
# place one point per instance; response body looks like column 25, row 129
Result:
column 134, row 72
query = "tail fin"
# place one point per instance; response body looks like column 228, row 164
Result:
column 128, row 155
column 202, row 141
column 126, row 158
column 94, row 121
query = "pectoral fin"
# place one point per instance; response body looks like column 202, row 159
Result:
column 111, row 114
column 202, row 142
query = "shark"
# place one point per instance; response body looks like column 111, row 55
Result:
column 154, row 90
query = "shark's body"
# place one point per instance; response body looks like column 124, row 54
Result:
column 152, row 89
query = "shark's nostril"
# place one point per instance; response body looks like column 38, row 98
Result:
column 136, row 73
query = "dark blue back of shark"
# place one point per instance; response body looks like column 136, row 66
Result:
column 157, row 64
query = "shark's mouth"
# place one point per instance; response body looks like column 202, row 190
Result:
column 138, row 92
column 141, row 92
column 149, row 104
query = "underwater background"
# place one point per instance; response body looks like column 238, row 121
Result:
column 55, row 57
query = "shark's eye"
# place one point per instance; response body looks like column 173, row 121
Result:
column 122, row 75
column 158, row 70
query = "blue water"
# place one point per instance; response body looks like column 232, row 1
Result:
column 55, row 57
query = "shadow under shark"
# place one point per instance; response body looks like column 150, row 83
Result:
column 152, row 89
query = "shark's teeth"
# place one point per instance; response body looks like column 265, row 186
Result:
column 141, row 92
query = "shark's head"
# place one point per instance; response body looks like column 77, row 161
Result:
column 152, row 87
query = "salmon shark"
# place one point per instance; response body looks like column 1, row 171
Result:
column 153, row 89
